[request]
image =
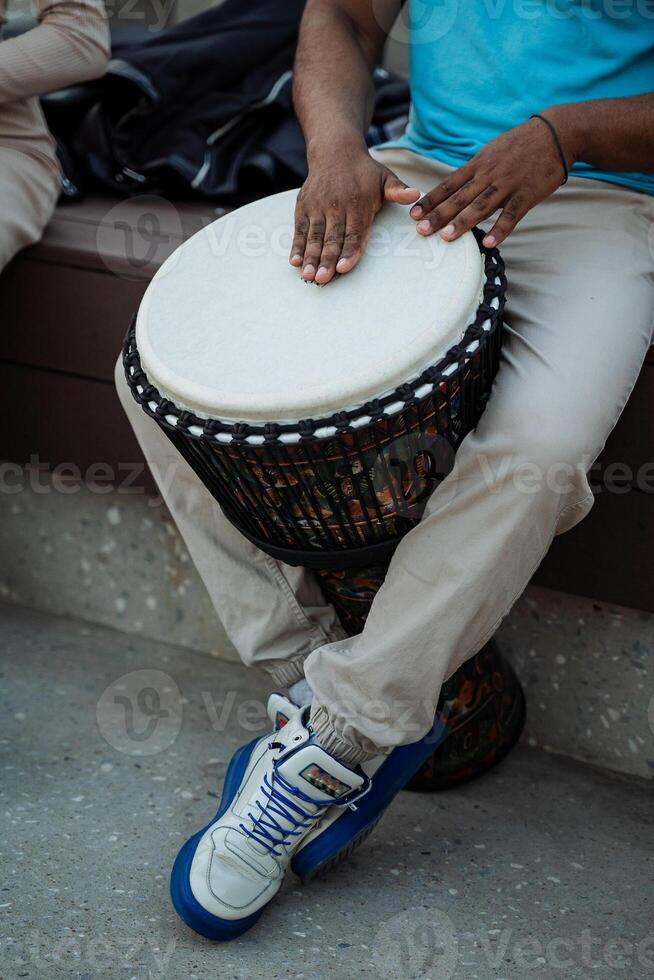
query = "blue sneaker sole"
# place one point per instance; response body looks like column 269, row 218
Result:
column 352, row 828
column 185, row 903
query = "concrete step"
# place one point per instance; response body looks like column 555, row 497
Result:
column 541, row 868
column 116, row 559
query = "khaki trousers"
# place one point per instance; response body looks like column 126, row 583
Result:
column 579, row 317
column 29, row 188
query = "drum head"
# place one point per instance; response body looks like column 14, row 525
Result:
column 228, row 329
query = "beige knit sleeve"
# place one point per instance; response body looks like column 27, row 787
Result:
column 69, row 45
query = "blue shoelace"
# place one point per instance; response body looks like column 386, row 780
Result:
column 266, row 830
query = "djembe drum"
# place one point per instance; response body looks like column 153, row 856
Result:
column 321, row 419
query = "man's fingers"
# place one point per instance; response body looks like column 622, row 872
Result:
column 512, row 212
column 353, row 243
column 480, row 208
column 313, row 250
column 331, row 250
column 442, row 215
column 299, row 245
column 441, row 193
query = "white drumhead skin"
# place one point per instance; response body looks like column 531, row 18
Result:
column 228, row 329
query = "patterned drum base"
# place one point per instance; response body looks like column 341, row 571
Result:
column 482, row 705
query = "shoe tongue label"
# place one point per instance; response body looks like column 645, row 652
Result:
column 324, row 781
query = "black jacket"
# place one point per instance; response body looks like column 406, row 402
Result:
column 207, row 105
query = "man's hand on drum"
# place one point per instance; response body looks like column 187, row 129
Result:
column 335, row 211
column 513, row 173
column 344, row 191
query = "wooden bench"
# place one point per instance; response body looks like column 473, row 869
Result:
column 68, row 300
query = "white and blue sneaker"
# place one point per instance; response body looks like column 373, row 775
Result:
column 285, row 802
column 276, row 790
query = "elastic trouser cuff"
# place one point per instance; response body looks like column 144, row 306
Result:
column 346, row 752
column 286, row 672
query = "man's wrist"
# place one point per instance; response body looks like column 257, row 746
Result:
column 569, row 123
column 335, row 143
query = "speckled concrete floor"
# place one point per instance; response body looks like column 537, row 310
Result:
column 112, row 752
column 118, row 560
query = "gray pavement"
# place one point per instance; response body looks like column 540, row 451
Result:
column 112, row 750
column 118, row 560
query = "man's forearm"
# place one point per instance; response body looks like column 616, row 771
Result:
column 333, row 90
column 340, row 43
column 610, row 134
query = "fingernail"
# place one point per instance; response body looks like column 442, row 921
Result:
column 489, row 241
column 308, row 270
column 423, row 226
column 415, row 211
column 296, row 258
column 322, row 271
column 448, row 231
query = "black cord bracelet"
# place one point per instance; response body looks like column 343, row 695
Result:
column 555, row 137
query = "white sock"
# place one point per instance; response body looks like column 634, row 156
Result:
column 300, row 693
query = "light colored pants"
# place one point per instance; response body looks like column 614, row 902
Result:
column 29, row 188
column 579, row 315
column 69, row 45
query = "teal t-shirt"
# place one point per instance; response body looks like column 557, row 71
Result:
column 479, row 67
